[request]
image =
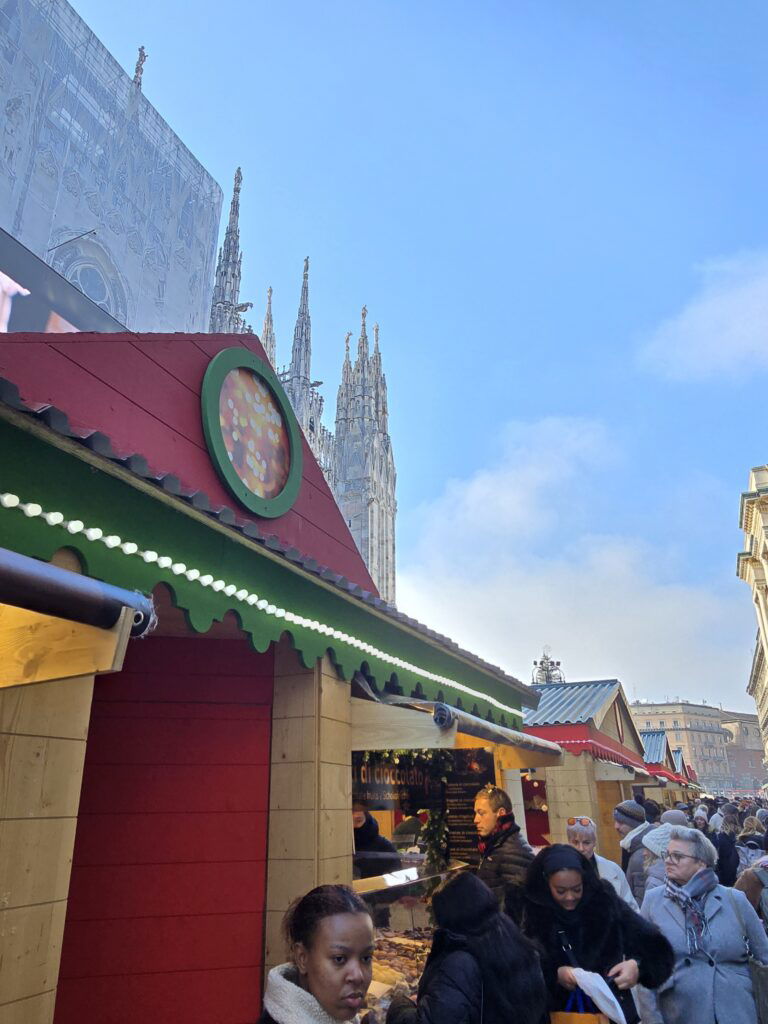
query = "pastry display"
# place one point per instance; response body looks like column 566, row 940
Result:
column 398, row 963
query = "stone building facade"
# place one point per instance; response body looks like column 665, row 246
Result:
column 745, row 752
column 724, row 747
column 94, row 181
column 357, row 457
column 752, row 567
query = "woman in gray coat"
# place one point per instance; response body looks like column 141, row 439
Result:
column 712, row 931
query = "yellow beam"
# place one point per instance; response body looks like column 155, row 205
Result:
column 36, row 648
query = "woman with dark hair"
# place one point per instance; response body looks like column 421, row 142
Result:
column 724, row 842
column 480, row 970
column 577, row 920
column 329, row 934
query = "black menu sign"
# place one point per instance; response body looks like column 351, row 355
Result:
column 405, row 785
column 473, row 769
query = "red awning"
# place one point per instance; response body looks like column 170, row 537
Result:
column 665, row 773
column 580, row 739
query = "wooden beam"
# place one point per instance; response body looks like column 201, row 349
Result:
column 388, row 727
column 36, row 648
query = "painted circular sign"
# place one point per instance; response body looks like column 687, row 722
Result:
column 251, row 432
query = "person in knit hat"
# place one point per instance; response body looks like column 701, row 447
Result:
column 629, row 821
column 655, row 843
column 701, row 821
column 674, row 817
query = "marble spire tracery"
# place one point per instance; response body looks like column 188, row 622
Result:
column 226, row 308
column 268, row 340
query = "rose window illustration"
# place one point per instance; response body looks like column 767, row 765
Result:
column 255, row 435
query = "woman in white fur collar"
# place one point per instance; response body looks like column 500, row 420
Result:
column 329, row 934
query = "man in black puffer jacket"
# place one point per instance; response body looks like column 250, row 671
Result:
column 505, row 854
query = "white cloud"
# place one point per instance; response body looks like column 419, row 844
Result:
column 723, row 329
column 508, row 560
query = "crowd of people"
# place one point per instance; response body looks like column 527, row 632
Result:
column 674, row 931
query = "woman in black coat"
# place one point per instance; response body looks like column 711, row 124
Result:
column 576, row 920
column 480, row 970
column 724, row 842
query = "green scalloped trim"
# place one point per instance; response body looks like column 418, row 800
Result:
column 62, row 482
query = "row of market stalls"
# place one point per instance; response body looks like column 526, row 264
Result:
column 198, row 678
column 167, row 795
column 606, row 760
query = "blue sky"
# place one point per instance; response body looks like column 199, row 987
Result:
column 556, row 212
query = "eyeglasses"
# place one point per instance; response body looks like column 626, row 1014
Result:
column 676, row 857
column 580, row 821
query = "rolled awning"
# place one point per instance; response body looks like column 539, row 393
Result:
column 403, row 723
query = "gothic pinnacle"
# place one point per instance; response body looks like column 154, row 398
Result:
column 139, row 71
column 375, row 337
column 362, row 345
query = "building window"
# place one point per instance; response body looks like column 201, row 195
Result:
column 661, row 724
column 676, row 724
column 647, row 725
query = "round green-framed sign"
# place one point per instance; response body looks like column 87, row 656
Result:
column 251, row 431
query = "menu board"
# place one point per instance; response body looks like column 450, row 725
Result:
column 473, row 769
column 403, row 785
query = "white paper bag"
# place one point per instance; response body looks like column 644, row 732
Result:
column 596, row 987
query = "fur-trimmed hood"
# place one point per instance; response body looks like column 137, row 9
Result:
column 287, row 1002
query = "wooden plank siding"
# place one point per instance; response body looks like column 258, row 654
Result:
column 143, row 391
column 167, row 895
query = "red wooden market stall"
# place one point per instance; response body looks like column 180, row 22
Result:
column 200, row 777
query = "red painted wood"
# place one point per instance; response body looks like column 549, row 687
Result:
column 144, row 392
column 158, row 944
column 205, row 997
column 173, row 741
column 179, row 657
column 179, row 709
column 162, row 788
column 129, row 372
column 171, row 890
column 172, row 838
column 167, row 893
column 187, row 363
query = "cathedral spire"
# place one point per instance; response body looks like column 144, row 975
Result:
column 362, row 345
column 301, row 353
column 268, row 341
column 234, row 206
column 226, row 306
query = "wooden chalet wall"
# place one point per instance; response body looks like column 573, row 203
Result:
column 143, row 391
column 167, row 895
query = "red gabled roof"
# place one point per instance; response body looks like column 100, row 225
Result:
column 143, row 391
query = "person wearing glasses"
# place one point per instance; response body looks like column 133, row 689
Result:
column 582, row 835
column 713, row 930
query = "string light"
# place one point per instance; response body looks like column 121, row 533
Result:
column 95, row 535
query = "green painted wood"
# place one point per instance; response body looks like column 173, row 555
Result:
column 62, row 482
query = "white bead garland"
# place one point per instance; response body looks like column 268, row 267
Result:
column 95, row 535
